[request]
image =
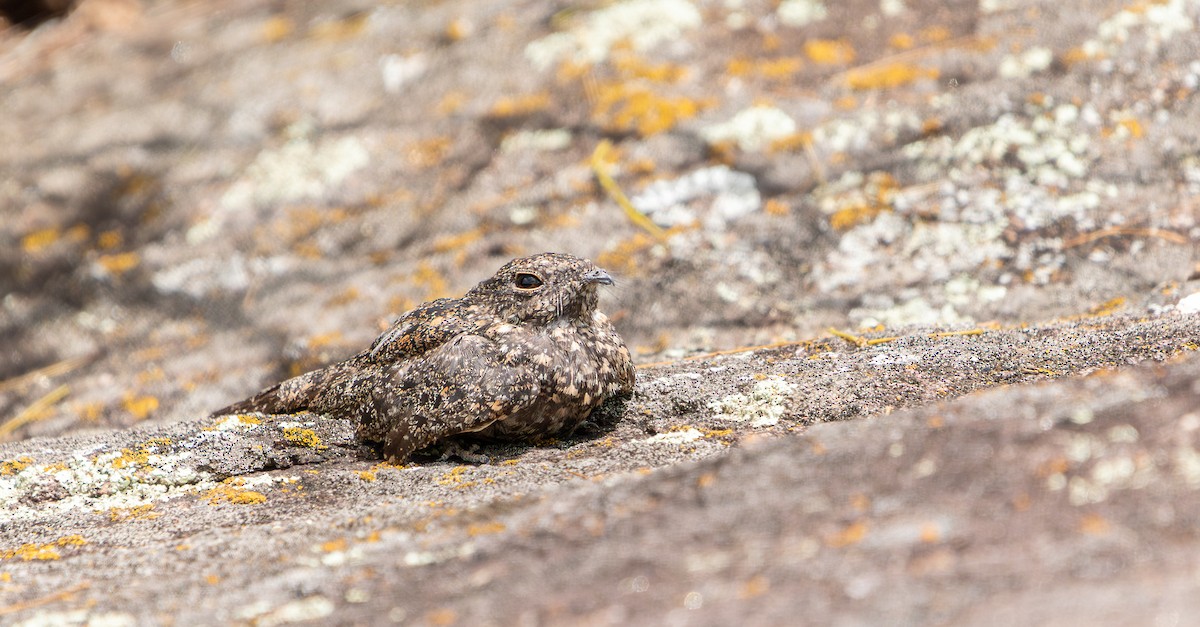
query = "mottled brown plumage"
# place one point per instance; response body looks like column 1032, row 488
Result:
column 523, row 354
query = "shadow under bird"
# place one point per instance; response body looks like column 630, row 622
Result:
column 523, row 354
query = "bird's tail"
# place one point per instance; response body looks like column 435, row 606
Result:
column 293, row 395
column 267, row 401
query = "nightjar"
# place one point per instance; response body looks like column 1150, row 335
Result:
column 523, row 354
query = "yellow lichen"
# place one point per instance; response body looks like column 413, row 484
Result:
column 433, row 281
column 119, row 263
column 449, row 243
column 776, row 207
column 306, row 438
column 140, row 512
column 935, row 34
column 852, row 534
column 901, row 41
column 623, row 258
column 342, row 29
column 366, row 475
column 231, row 492
column 109, row 240
column 40, row 552
column 889, row 75
column 344, row 297
column 829, row 51
column 14, row 466
column 130, row 457
column 139, row 406
column 39, row 240
column 430, row 152
column 479, row 529
column 780, row 69
column 277, row 28
column 515, row 106
column 624, row 106
column 339, row 544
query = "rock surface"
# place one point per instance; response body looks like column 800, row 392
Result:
column 200, row 199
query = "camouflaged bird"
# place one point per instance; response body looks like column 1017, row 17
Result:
column 523, row 354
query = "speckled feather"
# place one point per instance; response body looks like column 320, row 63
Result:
column 505, row 361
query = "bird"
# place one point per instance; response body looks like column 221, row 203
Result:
column 523, row 355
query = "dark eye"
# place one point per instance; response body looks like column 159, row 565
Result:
column 527, row 281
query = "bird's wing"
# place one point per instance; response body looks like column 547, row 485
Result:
column 462, row 386
column 421, row 330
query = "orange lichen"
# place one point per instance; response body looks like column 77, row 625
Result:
column 755, row 587
column 1094, row 525
column 451, row 103
column 776, row 207
column 458, row 29
column 109, row 240
column 1109, row 307
column 622, row 106
column 14, row 466
column 433, row 281
column 119, row 263
column 39, row 552
column 39, row 240
column 342, row 29
column 829, row 51
column 442, row 617
column 449, row 243
column 479, row 529
column 935, row 34
column 339, row 544
column 901, row 41
column 344, row 297
column 782, row 68
column 631, row 66
column 277, row 28
column 140, row 407
column 623, row 258
column 130, row 457
column 852, row 534
column 513, row 106
column 430, row 152
column 230, row 491
column 790, row 143
column 306, row 438
column 880, row 188
column 140, row 512
column 889, row 75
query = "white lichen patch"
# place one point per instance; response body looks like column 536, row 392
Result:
column 122, row 479
column 313, row 608
column 762, row 406
column 542, row 140
column 677, row 437
column 298, row 170
column 643, row 24
column 1151, row 24
column 798, row 13
column 1050, row 148
column 1189, row 305
column 237, row 423
column 673, row 202
column 1032, row 61
column 1187, row 465
column 752, row 129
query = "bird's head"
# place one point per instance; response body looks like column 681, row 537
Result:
column 542, row 288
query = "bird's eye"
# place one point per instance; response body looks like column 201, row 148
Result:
column 527, row 281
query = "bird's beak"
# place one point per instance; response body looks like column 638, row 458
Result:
column 598, row 276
